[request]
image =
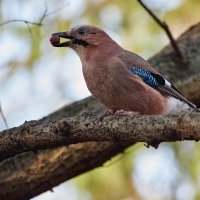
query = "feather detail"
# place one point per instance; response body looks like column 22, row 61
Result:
column 174, row 105
column 159, row 83
column 146, row 75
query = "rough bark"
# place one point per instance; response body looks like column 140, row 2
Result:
column 29, row 174
column 153, row 130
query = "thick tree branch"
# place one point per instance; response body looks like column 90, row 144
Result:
column 153, row 130
column 29, row 174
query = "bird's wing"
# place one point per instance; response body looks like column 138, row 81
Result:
column 132, row 59
column 159, row 83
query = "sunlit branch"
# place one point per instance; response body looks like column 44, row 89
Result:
column 20, row 20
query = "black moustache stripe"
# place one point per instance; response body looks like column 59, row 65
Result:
column 80, row 42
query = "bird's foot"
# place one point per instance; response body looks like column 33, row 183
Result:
column 119, row 113
column 105, row 114
column 126, row 113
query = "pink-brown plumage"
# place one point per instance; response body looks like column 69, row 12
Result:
column 115, row 87
column 106, row 71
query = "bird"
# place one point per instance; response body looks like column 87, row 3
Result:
column 122, row 81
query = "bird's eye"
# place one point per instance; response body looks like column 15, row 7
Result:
column 82, row 31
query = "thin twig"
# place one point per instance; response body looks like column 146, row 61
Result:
column 20, row 20
column 39, row 23
column 56, row 10
column 44, row 13
column 3, row 117
column 30, row 31
column 166, row 29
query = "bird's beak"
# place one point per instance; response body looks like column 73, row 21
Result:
column 55, row 39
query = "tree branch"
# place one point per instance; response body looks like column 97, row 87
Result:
column 3, row 117
column 165, row 27
column 37, row 23
column 153, row 130
column 29, row 174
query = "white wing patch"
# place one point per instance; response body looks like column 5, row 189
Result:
column 167, row 83
column 174, row 105
column 173, row 92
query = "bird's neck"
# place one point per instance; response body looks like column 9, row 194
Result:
column 99, row 53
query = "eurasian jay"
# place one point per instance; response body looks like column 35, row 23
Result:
column 120, row 79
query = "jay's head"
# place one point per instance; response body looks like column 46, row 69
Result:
column 81, row 38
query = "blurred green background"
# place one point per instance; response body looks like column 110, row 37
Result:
column 36, row 79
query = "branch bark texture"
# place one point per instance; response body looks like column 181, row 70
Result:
column 29, row 174
column 153, row 130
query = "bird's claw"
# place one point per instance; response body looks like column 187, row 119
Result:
column 105, row 114
column 125, row 113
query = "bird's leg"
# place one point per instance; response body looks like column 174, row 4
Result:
column 119, row 113
column 126, row 113
column 105, row 114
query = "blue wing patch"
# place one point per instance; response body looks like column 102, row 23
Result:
column 159, row 83
column 147, row 76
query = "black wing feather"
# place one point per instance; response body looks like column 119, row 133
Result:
column 159, row 83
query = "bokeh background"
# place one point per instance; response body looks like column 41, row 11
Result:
column 37, row 79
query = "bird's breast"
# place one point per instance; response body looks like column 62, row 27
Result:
column 118, row 89
column 96, row 79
